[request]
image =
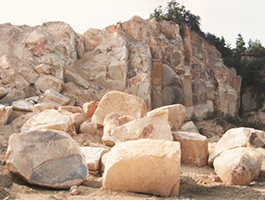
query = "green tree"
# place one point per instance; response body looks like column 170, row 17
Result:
column 240, row 45
column 255, row 48
column 179, row 14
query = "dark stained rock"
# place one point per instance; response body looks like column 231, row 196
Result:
column 47, row 158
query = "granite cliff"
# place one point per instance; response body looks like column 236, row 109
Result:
column 146, row 58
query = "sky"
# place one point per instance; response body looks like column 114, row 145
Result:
column 225, row 18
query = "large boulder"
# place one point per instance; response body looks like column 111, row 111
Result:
column 194, row 147
column 47, row 158
column 50, row 119
column 119, row 102
column 151, row 127
column 146, row 166
column 238, row 137
column 176, row 115
column 238, row 166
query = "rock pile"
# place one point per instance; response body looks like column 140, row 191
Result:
column 235, row 158
column 143, row 152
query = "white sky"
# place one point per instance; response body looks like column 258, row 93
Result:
column 221, row 17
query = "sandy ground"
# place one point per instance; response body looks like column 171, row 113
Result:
column 196, row 183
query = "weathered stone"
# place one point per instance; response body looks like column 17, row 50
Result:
column 78, row 95
column 194, row 147
column 88, row 127
column 119, row 102
column 112, row 121
column 47, row 158
column 238, row 166
column 155, row 126
column 176, row 115
column 190, row 127
column 139, row 167
column 89, row 108
column 6, row 62
column 200, row 111
column 71, row 109
column 50, row 119
column 39, row 107
column 3, row 92
column 14, row 80
column 46, row 82
column 43, row 69
column 13, row 95
column 28, row 73
column 238, row 137
column 71, row 76
column 22, row 105
column 56, row 97
column 37, row 43
column 93, row 156
column 117, row 70
column 228, row 97
column 77, row 118
column 5, row 112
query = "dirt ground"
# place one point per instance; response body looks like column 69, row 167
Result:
column 199, row 183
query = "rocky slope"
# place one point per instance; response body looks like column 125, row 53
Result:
column 145, row 58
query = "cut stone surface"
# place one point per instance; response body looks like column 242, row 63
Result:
column 151, row 127
column 5, row 112
column 47, row 158
column 238, row 166
column 194, row 147
column 145, row 166
column 50, row 119
column 238, row 137
column 119, row 102
column 176, row 115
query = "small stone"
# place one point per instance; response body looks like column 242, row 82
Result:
column 74, row 190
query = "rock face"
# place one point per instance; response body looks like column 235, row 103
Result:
column 47, row 158
column 151, row 127
column 146, row 166
column 238, row 166
column 146, row 58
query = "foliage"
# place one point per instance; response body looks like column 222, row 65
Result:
column 224, row 119
column 179, row 14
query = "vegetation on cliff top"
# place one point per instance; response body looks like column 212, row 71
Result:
column 249, row 61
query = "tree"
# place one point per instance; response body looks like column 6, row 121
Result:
column 240, row 45
column 178, row 13
column 255, row 48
